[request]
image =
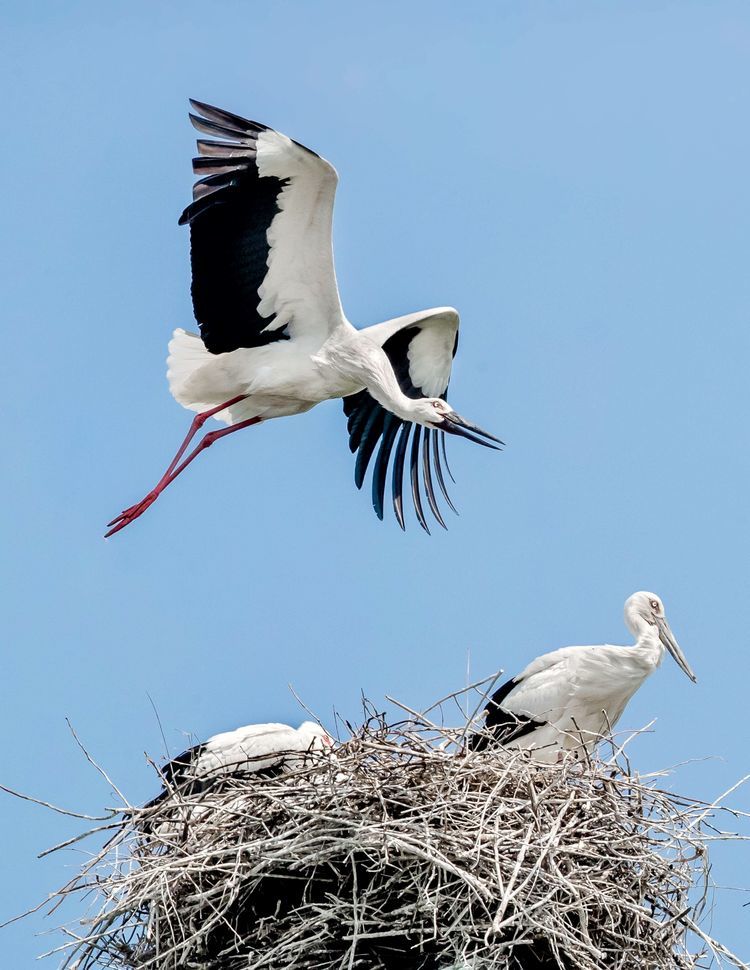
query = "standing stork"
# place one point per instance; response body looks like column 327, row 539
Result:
column 274, row 340
column 570, row 698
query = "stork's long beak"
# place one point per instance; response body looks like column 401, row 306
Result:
column 455, row 424
column 667, row 638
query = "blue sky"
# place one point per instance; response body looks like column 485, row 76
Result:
column 574, row 178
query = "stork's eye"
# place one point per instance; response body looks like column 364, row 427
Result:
column 437, row 405
column 655, row 605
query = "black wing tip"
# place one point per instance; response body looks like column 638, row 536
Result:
column 374, row 428
column 391, row 426
column 397, row 475
column 445, row 457
column 368, row 422
column 206, row 109
column 427, row 478
column 206, row 127
column 214, row 113
column 243, row 126
column 201, row 106
column 414, row 474
column 204, row 165
column 439, row 469
column 223, row 177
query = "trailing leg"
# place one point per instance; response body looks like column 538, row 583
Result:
column 176, row 467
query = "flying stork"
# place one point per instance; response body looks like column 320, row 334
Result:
column 254, row 749
column 568, row 699
column 274, row 340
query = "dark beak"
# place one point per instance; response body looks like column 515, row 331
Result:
column 455, row 424
column 667, row 638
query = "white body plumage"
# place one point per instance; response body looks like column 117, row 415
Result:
column 254, row 748
column 251, row 750
column 570, row 698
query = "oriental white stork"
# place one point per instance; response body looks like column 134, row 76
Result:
column 274, row 340
column 254, row 749
column 568, row 700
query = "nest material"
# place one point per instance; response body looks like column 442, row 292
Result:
column 402, row 850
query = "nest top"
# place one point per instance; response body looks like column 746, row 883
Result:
column 401, row 849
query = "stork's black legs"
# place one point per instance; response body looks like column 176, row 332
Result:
column 175, row 467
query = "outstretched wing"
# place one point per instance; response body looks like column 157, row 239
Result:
column 260, row 236
column 421, row 348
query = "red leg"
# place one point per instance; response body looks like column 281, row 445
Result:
column 197, row 423
column 205, row 442
column 129, row 515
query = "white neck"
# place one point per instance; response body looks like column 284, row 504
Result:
column 647, row 638
column 390, row 395
column 382, row 384
column 362, row 359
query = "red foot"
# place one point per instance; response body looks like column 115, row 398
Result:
column 131, row 514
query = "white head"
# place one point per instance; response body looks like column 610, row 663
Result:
column 434, row 412
column 314, row 737
column 644, row 616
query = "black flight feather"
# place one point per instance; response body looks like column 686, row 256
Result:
column 427, row 476
column 234, row 122
column 222, row 149
column 445, row 458
column 398, row 474
column 358, row 408
column 215, row 164
column 391, row 424
column 414, row 464
column 372, row 431
column 174, row 774
column 212, row 128
column 503, row 726
column 439, row 469
column 221, row 180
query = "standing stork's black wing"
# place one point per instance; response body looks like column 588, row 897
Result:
column 262, row 266
column 502, row 725
column 420, row 354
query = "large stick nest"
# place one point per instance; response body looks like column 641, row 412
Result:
column 402, row 849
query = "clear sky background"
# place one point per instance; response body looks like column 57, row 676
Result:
column 573, row 177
